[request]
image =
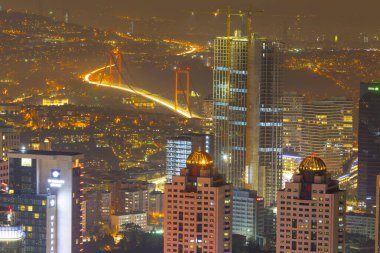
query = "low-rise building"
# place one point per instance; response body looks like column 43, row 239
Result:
column 119, row 222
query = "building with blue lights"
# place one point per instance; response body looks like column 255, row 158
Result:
column 368, row 143
column 247, row 113
column 180, row 147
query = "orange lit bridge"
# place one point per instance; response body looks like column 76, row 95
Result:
column 95, row 77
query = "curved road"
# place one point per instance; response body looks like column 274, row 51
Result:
column 146, row 94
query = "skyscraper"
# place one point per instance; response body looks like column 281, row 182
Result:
column 248, row 214
column 180, row 147
column 377, row 224
column 292, row 104
column 45, row 189
column 267, row 176
column 328, row 131
column 230, row 86
column 368, row 142
column 247, row 113
column 311, row 212
column 198, row 209
column 207, row 113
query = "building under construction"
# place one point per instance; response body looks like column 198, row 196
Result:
column 247, row 112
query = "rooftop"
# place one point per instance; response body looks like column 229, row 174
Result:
column 44, row 152
column 312, row 163
column 199, row 158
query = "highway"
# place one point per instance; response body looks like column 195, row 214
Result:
column 144, row 93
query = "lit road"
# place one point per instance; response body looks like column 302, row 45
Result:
column 190, row 47
column 146, row 94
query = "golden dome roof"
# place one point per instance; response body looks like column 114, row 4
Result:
column 313, row 163
column 200, row 158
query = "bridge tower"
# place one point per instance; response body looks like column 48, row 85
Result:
column 180, row 91
column 116, row 59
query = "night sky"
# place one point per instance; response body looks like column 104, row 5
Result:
column 333, row 16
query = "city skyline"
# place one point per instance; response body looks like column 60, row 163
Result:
column 189, row 126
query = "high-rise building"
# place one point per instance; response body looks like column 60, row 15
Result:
column 327, row 131
column 120, row 221
column 230, row 85
column 248, row 214
column 96, row 210
column 45, row 191
column 136, row 200
column 292, row 104
column 207, row 113
column 368, row 142
column 4, row 172
column 156, row 208
column 198, row 209
column 377, row 224
column 311, row 212
column 361, row 224
column 247, row 113
column 9, row 139
column 129, row 196
column 180, row 147
column 290, row 163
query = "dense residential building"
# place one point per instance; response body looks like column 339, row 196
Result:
column 180, row 147
column 248, row 214
column 368, row 143
column 10, row 109
column 129, row 196
column 9, row 139
column 198, row 209
column 292, row 104
column 120, row 222
column 361, row 224
column 12, row 238
column 4, row 172
column 45, row 145
column 45, row 191
column 247, row 113
column 96, row 210
column 311, row 212
column 156, row 208
column 136, row 200
column 327, row 131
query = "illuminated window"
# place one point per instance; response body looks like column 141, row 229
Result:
column 44, row 202
column 30, row 208
column 29, row 229
column 26, row 162
column 22, row 208
column 36, row 216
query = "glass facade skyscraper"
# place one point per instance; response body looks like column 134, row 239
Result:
column 230, row 106
column 293, row 104
column 327, row 131
column 368, row 143
column 247, row 113
column 180, row 147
